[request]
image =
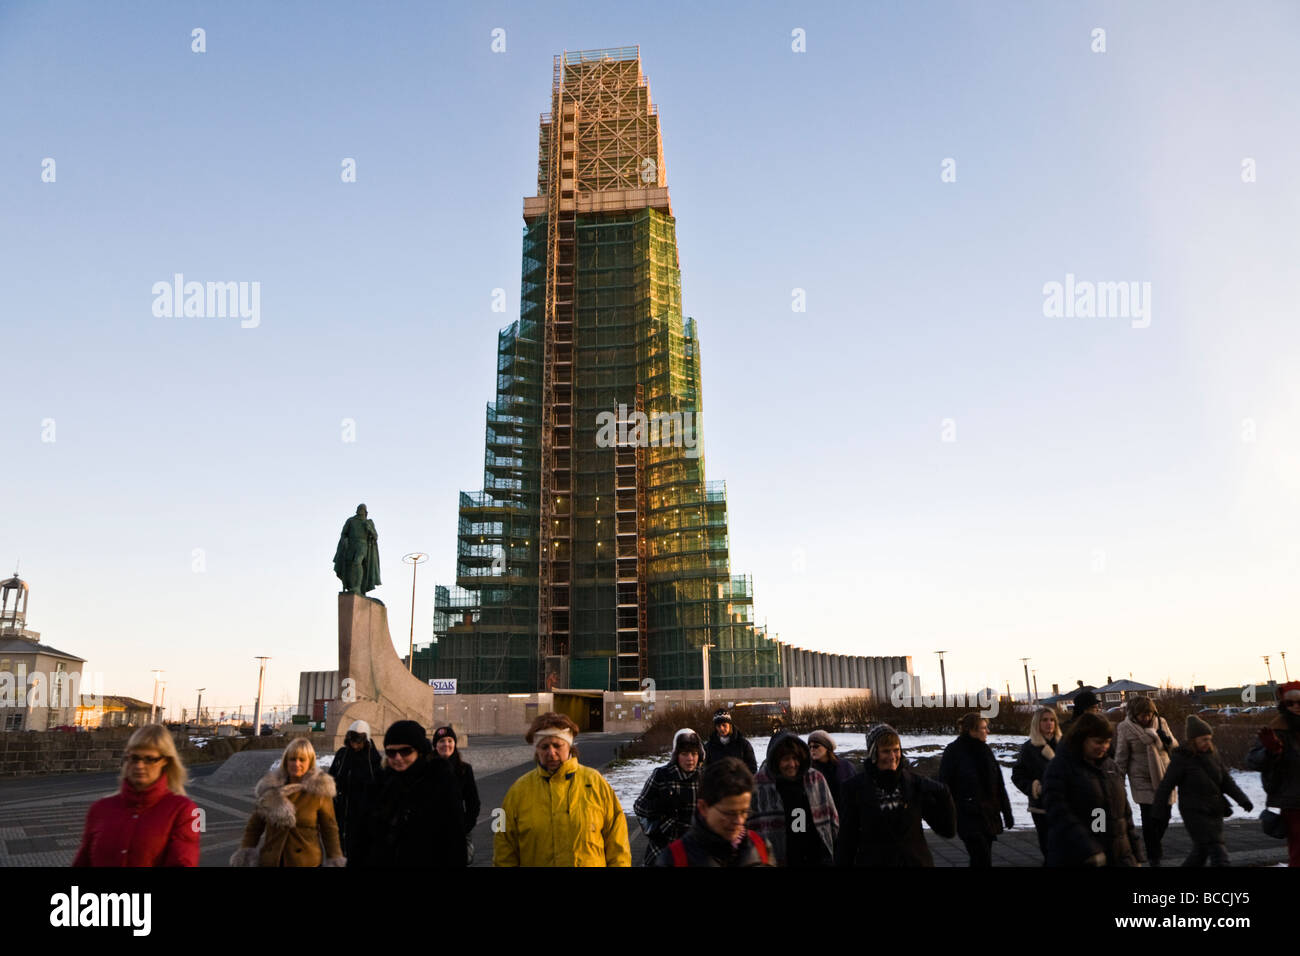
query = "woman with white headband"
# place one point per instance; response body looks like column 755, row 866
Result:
column 592, row 830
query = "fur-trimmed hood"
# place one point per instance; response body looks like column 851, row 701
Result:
column 274, row 792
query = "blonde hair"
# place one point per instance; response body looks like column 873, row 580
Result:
column 297, row 746
column 159, row 738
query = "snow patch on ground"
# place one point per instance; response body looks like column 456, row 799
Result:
column 629, row 779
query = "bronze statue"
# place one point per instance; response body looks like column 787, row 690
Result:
column 356, row 560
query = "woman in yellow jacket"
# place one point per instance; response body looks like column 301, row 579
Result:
column 560, row 813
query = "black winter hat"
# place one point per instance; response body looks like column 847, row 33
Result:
column 1084, row 701
column 409, row 733
column 444, row 732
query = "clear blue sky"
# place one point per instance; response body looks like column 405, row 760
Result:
column 1099, row 510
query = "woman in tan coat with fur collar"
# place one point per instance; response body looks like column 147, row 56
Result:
column 294, row 815
column 1143, row 747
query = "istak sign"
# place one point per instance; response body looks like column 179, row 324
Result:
column 445, row 685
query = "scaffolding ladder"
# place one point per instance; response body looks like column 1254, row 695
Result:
column 555, row 567
column 629, row 576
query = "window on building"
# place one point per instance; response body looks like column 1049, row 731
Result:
column 14, row 722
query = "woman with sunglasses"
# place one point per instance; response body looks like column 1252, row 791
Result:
column 415, row 813
column 149, row 821
column 1277, row 757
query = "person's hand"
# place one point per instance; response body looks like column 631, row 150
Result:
column 1008, row 821
column 1036, row 789
column 1097, row 859
column 1248, row 807
column 1269, row 739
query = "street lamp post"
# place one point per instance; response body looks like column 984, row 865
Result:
column 1028, row 692
column 153, row 707
column 257, row 707
column 1270, row 670
column 704, row 650
column 1285, row 672
column 198, row 707
column 414, row 559
column 943, row 677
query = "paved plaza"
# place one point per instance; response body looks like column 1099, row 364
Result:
column 41, row 817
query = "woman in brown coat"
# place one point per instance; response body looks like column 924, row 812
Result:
column 294, row 815
column 1143, row 748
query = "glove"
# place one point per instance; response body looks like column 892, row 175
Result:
column 1269, row 739
column 1248, row 807
column 1036, row 789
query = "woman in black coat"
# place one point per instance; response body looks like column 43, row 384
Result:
column 1202, row 781
column 1031, row 763
column 1088, row 816
column 355, row 768
column 881, row 809
column 973, row 776
column 415, row 816
column 444, row 744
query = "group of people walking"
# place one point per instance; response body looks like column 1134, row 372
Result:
column 712, row 804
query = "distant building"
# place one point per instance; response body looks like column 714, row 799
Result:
column 112, row 711
column 1120, row 691
column 40, row 686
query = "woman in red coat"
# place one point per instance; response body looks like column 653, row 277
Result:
column 150, row 821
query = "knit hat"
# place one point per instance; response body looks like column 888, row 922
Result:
column 874, row 735
column 1084, row 701
column 444, row 732
column 1196, row 728
column 722, row 716
column 823, row 738
column 359, row 727
column 409, row 733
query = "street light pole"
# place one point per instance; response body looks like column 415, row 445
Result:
column 1028, row 692
column 704, row 650
column 943, row 677
column 1284, row 670
column 414, row 559
column 1270, row 669
column 153, row 707
column 257, row 707
column 198, row 707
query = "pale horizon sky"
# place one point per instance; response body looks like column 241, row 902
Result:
column 1117, row 500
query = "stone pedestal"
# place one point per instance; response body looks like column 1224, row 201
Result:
column 374, row 685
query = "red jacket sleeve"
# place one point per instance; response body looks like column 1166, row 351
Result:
column 183, row 845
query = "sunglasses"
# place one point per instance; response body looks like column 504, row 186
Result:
column 402, row 752
column 136, row 758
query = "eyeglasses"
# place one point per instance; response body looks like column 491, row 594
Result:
column 137, row 758
column 402, row 752
column 733, row 814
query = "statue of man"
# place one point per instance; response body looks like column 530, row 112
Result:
column 356, row 560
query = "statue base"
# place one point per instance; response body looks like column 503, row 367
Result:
column 373, row 684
